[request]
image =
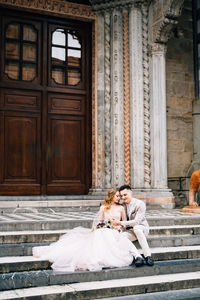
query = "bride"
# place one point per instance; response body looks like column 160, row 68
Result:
column 103, row 246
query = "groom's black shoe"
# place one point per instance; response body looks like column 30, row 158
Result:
column 139, row 261
column 149, row 261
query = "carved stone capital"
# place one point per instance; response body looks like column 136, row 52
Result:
column 157, row 48
column 169, row 21
column 166, row 30
column 175, row 9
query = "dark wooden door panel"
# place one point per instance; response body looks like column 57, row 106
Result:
column 66, row 155
column 20, row 100
column 20, row 155
column 45, row 122
column 66, row 104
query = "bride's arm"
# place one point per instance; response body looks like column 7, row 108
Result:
column 101, row 213
column 123, row 214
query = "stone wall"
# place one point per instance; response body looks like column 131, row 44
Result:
column 180, row 93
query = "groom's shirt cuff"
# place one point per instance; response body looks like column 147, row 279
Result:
column 128, row 223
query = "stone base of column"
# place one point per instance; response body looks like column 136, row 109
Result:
column 191, row 209
column 98, row 192
column 161, row 197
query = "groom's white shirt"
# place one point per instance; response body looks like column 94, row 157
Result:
column 136, row 211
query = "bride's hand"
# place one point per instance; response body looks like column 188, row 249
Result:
column 118, row 227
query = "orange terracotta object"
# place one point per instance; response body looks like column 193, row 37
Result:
column 195, row 181
column 191, row 209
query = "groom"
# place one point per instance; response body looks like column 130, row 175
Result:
column 136, row 228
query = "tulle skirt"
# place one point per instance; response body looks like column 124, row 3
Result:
column 83, row 249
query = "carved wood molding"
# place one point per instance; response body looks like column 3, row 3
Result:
column 53, row 6
column 127, row 169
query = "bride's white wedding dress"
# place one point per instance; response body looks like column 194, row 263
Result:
column 84, row 249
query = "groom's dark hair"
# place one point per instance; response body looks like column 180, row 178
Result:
column 124, row 187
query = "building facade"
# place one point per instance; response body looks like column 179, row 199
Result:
column 95, row 94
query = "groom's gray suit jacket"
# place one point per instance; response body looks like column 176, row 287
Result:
column 136, row 214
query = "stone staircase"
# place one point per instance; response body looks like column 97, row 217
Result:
column 174, row 239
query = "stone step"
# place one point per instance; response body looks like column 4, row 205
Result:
column 186, row 294
column 17, row 248
column 68, row 220
column 27, row 279
column 39, row 236
column 17, row 225
column 27, row 263
column 106, row 288
column 49, row 203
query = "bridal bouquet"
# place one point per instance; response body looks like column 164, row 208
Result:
column 104, row 224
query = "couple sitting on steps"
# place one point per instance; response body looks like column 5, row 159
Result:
column 109, row 243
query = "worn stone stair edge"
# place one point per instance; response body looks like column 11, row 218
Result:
column 7, row 259
column 110, row 288
column 23, row 263
column 53, row 235
column 154, row 240
column 48, row 277
column 2, row 233
column 49, row 203
column 70, row 224
column 13, row 249
column 186, row 294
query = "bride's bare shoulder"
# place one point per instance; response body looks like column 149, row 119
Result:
column 102, row 207
column 121, row 207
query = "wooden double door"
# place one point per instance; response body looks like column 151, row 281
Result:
column 45, row 106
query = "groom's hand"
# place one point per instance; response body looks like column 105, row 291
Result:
column 116, row 222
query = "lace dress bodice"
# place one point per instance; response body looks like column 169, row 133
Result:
column 113, row 212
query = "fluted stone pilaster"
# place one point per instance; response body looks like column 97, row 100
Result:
column 158, row 120
column 136, row 98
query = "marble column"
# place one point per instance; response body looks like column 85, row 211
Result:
column 110, row 156
column 158, row 118
column 136, row 98
column 100, row 96
column 107, row 99
column 117, row 118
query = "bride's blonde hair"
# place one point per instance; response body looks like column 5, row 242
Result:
column 108, row 201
